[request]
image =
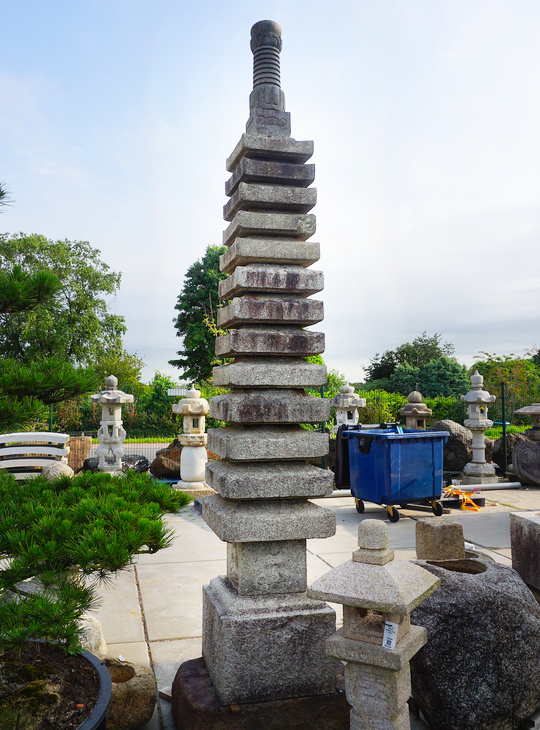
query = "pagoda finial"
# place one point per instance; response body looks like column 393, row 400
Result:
column 267, row 100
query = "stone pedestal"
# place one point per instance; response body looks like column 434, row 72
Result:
column 525, row 543
column 478, row 471
column 377, row 639
column 111, row 433
column 263, row 638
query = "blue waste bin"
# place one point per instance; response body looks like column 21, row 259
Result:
column 395, row 466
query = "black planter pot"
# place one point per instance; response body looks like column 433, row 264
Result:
column 97, row 719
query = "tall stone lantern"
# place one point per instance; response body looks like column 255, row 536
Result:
column 111, row 434
column 347, row 403
column 478, row 471
column 194, row 456
column 377, row 640
column 415, row 411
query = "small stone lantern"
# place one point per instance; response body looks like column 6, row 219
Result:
column 533, row 411
column 193, row 458
column 415, row 411
column 347, row 403
column 377, row 640
column 111, row 434
column 478, row 471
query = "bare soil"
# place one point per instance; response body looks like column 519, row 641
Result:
column 44, row 689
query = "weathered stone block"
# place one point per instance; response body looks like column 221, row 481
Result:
column 273, row 197
column 270, row 310
column 284, row 149
column 257, row 569
column 439, row 540
column 272, row 278
column 269, row 406
column 270, row 341
column 259, row 481
column 273, row 122
column 270, row 373
column 266, row 250
column 288, row 630
column 361, row 652
column 260, row 443
column 525, row 542
column 252, row 521
column 363, row 721
column 380, row 693
column 267, row 171
column 247, row 223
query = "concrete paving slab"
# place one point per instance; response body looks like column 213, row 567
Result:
column 194, row 541
column 485, row 529
column 119, row 611
column 136, row 652
column 172, row 596
column 167, row 657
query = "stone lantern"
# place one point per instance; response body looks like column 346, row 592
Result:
column 377, row 640
column 478, row 471
column 533, row 411
column 415, row 411
column 347, row 403
column 194, row 456
column 111, row 434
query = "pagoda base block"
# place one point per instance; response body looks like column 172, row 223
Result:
column 195, row 706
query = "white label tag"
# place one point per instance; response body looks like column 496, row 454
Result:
column 390, row 635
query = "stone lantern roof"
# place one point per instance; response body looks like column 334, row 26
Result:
column 532, row 410
column 477, row 396
column 373, row 579
column 415, row 406
column 192, row 404
column 347, row 398
column 111, row 394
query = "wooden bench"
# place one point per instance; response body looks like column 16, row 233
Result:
column 26, row 454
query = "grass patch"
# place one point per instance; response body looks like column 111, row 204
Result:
column 496, row 431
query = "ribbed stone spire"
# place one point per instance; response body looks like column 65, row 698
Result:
column 263, row 639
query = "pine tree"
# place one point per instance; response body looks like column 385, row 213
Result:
column 197, row 305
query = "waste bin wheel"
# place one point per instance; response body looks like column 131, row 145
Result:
column 393, row 514
column 437, row 508
column 359, row 506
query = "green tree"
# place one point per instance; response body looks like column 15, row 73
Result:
column 443, row 377
column 197, row 305
column 521, row 376
column 404, row 379
column 4, row 194
column 124, row 365
column 417, row 353
column 75, row 324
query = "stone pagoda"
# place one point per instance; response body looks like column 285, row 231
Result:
column 478, row 471
column 263, row 638
column 111, row 433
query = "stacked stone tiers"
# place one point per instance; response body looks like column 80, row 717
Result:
column 263, row 639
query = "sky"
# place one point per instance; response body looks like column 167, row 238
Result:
column 118, row 116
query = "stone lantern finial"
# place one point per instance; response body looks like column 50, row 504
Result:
column 478, row 471
column 111, row 433
column 377, row 640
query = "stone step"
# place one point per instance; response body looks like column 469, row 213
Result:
column 270, row 372
column 247, row 223
column 271, row 278
column 234, row 520
column 269, row 406
column 269, row 251
column 235, row 480
column 266, row 171
column 267, row 310
column 267, row 443
column 270, row 341
column 275, row 197
column 260, row 146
